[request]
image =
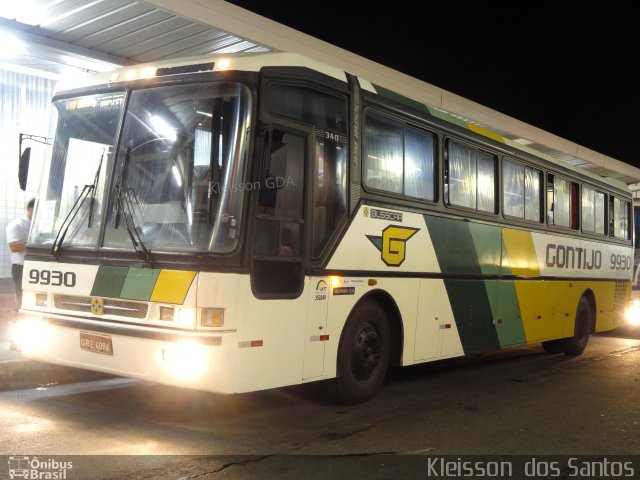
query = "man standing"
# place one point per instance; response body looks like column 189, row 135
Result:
column 17, row 233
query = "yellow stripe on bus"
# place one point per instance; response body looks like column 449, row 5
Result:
column 485, row 132
column 521, row 252
column 605, row 293
column 548, row 307
column 172, row 286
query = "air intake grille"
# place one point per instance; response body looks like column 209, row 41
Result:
column 119, row 308
column 620, row 299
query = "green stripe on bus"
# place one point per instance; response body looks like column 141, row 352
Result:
column 506, row 312
column 473, row 316
column 109, row 281
column 436, row 112
column 139, row 283
column 401, row 99
column 447, row 117
column 505, row 266
column 502, row 297
column 454, row 245
column 487, row 240
column 456, row 252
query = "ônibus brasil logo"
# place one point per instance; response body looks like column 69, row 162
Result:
column 34, row 468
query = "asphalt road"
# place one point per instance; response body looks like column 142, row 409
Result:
column 517, row 402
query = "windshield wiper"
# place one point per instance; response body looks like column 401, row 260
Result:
column 77, row 205
column 125, row 209
column 96, row 178
column 64, row 228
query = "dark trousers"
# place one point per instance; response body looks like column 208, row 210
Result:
column 16, row 273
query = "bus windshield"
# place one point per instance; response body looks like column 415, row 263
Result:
column 84, row 143
column 175, row 178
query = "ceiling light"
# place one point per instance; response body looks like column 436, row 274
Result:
column 11, row 46
column 9, row 10
column 24, row 12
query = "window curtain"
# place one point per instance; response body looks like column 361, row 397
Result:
column 588, row 209
column 561, row 206
column 532, row 194
column 462, row 175
column 513, row 178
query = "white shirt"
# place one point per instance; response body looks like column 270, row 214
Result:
column 18, row 229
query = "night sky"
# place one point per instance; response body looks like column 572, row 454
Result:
column 573, row 72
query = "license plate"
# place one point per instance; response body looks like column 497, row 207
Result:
column 97, row 343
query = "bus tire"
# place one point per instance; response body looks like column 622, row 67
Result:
column 363, row 354
column 554, row 346
column 582, row 330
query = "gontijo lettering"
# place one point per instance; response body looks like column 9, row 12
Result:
column 564, row 256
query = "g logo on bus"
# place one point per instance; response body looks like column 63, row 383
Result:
column 392, row 244
column 97, row 306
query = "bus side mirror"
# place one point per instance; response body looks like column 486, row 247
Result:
column 23, row 165
column 23, row 168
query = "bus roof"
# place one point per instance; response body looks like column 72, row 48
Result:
column 626, row 174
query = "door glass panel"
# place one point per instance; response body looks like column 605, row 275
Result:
column 281, row 192
column 278, row 237
column 330, row 187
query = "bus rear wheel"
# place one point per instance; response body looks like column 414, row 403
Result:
column 582, row 330
column 554, row 346
column 363, row 354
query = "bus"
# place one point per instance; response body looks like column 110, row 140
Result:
column 239, row 223
column 632, row 314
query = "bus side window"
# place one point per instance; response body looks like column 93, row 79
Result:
column 619, row 218
column 521, row 191
column 471, row 177
column 550, row 205
column 593, row 211
column 562, row 202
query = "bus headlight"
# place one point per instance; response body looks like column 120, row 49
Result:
column 31, row 334
column 33, row 299
column 187, row 317
column 632, row 313
column 185, row 359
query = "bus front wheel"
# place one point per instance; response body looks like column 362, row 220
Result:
column 363, row 354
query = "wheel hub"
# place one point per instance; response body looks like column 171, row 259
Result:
column 366, row 352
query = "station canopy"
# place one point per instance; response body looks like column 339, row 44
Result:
column 67, row 36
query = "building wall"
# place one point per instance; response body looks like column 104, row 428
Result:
column 24, row 108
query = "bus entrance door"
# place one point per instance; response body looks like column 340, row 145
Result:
column 429, row 321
